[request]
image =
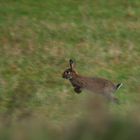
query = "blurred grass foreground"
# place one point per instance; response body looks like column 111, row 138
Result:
column 37, row 38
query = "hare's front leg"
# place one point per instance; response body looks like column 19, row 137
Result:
column 77, row 90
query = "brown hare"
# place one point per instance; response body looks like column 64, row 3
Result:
column 96, row 85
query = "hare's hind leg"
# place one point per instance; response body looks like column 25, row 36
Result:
column 115, row 100
column 112, row 98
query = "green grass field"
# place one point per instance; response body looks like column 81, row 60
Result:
column 37, row 38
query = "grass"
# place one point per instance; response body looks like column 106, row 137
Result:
column 37, row 38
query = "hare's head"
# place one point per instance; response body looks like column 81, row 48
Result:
column 70, row 72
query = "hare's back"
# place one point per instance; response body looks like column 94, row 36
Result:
column 101, row 85
column 102, row 82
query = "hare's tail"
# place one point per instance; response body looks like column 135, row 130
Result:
column 118, row 86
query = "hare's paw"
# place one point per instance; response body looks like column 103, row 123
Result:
column 77, row 90
column 116, row 100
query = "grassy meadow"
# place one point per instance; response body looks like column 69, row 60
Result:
column 37, row 39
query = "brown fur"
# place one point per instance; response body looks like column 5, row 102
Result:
column 95, row 84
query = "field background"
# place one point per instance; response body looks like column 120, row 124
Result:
column 37, row 38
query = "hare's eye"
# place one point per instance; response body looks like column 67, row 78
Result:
column 68, row 72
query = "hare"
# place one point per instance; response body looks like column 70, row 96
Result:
column 96, row 85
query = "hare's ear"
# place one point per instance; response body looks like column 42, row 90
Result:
column 71, row 64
